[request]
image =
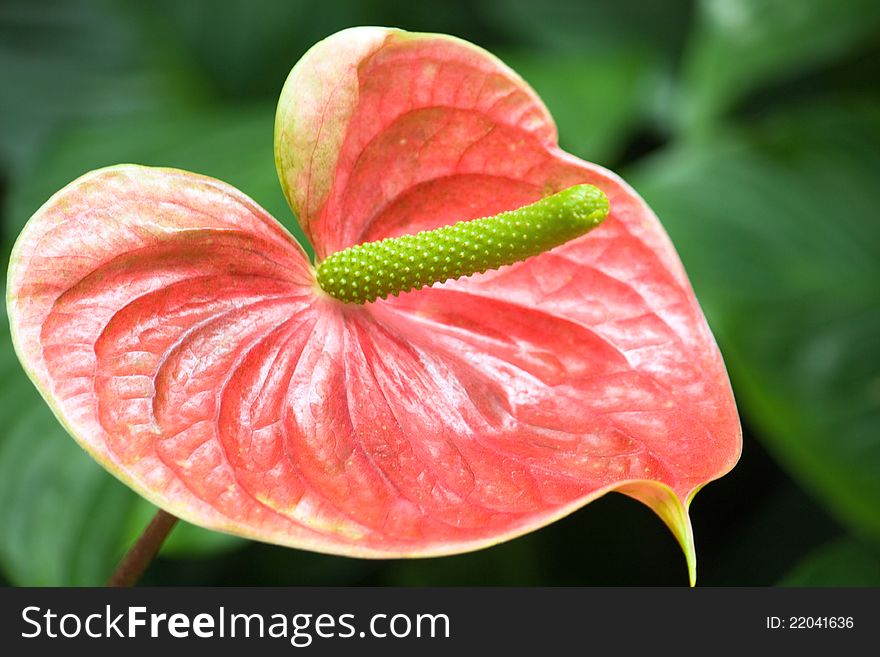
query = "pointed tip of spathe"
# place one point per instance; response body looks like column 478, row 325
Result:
column 673, row 511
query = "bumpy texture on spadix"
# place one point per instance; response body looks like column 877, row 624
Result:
column 374, row 270
column 180, row 335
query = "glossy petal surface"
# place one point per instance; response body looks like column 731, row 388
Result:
column 177, row 330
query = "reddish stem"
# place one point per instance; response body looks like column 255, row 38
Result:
column 133, row 565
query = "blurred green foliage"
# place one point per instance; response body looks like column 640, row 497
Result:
column 751, row 126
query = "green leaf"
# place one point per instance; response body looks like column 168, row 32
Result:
column 596, row 100
column 843, row 562
column 243, row 48
column 739, row 45
column 62, row 60
column 565, row 26
column 777, row 227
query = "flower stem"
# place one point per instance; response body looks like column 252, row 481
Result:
column 133, row 565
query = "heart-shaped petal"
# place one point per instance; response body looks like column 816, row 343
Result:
column 179, row 334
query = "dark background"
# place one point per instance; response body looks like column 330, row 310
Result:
column 751, row 126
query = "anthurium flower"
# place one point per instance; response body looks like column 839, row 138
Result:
column 182, row 337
